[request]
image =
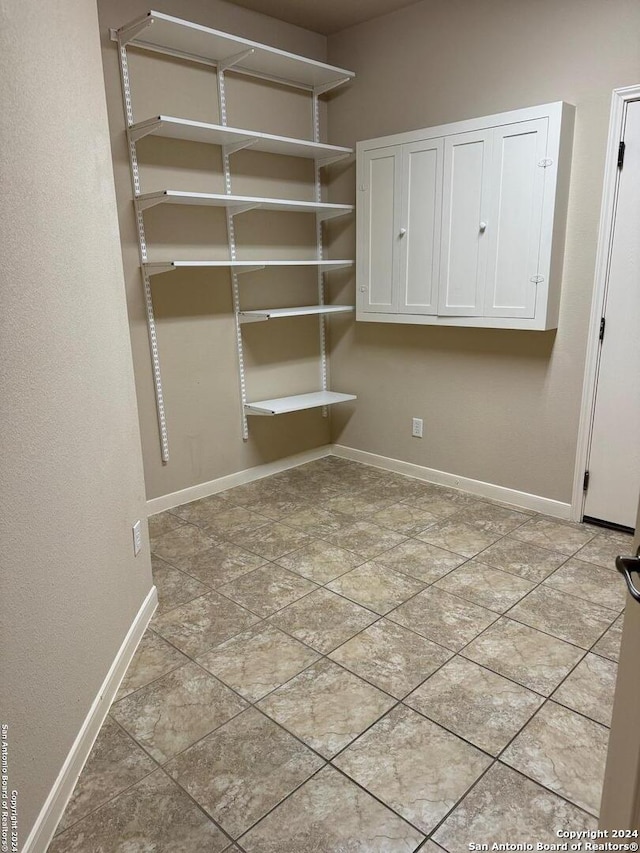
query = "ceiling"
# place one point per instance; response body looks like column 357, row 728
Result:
column 324, row 16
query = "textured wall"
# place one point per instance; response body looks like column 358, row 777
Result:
column 196, row 331
column 71, row 470
column 498, row 406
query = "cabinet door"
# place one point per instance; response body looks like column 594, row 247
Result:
column 514, row 221
column 381, row 185
column 465, row 208
column 422, row 168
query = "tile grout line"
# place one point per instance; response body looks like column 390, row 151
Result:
column 263, row 619
column 460, row 512
column 325, row 656
column 327, row 761
column 157, row 767
column 386, row 615
column 499, row 614
column 201, row 808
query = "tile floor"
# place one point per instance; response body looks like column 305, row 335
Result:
column 345, row 659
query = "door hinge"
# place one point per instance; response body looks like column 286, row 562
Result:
column 602, row 323
column 585, row 482
column 621, row 149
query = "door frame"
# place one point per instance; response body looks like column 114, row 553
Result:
column 619, row 102
column 620, row 805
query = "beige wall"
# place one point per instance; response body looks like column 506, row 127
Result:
column 71, row 472
column 196, row 331
column 498, row 406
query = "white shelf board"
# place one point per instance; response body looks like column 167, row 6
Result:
column 157, row 31
column 283, row 405
column 217, row 134
column 156, row 267
column 242, row 203
column 302, row 311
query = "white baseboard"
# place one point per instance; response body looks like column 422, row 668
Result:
column 40, row 836
column 536, row 503
column 212, row 487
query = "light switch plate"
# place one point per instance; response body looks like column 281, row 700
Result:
column 137, row 538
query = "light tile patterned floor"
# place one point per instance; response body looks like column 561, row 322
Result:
column 348, row 659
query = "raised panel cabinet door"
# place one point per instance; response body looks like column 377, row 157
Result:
column 422, row 170
column 380, row 182
column 514, row 222
column 465, row 208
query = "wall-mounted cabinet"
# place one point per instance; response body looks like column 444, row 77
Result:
column 463, row 224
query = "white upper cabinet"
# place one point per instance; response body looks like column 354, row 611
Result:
column 514, row 219
column 379, row 228
column 422, row 164
column 465, row 209
column 463, row 224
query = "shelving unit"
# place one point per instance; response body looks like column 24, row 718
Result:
column 303, row 311
column 237, row 204
column 217, row 134
column 156, row 267
column 284, row 405
column 174, row 37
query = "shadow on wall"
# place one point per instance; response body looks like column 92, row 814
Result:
column 462, row 342
column 191, row 293
column 273, row 444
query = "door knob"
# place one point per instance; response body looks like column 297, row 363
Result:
column 403, row 231
column 483, row 227
column 626, row 565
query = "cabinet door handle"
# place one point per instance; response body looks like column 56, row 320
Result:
column 403, row 231
column 483, row 227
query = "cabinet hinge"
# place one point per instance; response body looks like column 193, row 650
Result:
column 585, row 482
column 621, row 150
column 544, row 164
column 602, row 322
column 536, row 279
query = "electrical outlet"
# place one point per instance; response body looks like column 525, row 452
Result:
column 137, row 538
column 416, row 427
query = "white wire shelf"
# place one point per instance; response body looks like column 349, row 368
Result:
column 261, row 314
column 242, row 203
column 166, row 34
column 235, row 139
column 297, row 403
column 157, row 267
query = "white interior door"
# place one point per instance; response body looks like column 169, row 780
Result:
column 515, row 220
column 422, row 168
column 614, row 453
column 380, row 223
column 465, row 210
